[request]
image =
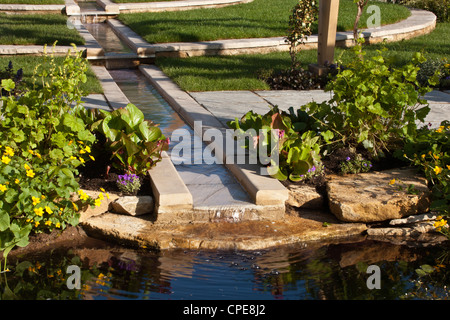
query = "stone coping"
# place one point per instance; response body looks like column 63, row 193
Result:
column 264, row 190
column 116, row 8
column 420, row 22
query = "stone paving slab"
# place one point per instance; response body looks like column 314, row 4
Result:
column 227, row 105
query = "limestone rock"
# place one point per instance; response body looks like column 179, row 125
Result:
column 133, row 205
column 368, row 197
column 304, row 196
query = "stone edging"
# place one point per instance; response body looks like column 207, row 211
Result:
column 420, row 22
column 264, row 190
column 116, row 8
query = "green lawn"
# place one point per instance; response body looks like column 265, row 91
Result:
column 37, row 29
column 31, row 1
column 28, row 64
column 258, row 19
column 132, row 1
column 241, row 72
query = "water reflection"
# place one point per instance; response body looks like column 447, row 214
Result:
column 335, row 271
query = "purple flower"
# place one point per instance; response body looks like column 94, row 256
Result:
column 348, row 159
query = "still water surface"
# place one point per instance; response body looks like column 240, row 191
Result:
column 306, row 272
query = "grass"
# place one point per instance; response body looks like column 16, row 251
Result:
column 38, row 29
column 135, row 1
column 242, row 72
column 258, row 19
column 31, row 1
column 28, row 64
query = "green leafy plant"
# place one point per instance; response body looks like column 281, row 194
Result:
column 135, row 144
column 374, row 105
column 298, row 148
column 43, row 144
column 430, row 152
column 356, row 165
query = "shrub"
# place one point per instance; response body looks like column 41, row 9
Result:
column 432, row 67
column 430, row 152
column 298, row 147
column 374, row 105
column 441, row 8
column 133, row 143
column 43, row 144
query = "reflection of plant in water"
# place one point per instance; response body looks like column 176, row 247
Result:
column 432, row 280
column 42, row 280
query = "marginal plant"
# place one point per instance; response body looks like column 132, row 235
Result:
column 135, row 144
column 128, row 183
column 42, row 145
column 374, row 105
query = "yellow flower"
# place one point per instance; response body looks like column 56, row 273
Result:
column 106, row 193
column 27, row 167
column 92, row 158
column 57, row 225
column 100, row 196
column 3, row 188
column 436, row 156
column 81, row 160
column 48, row 210
column 84, row 196
column 31, row 151
column 38, row 155
column 392, row 182
column 98, row 202
column 5, row 159
column 48, row 223
column 39, row 211
column 423, row 156
column 75, row 206
column 9, row 151
column 88, row 149
column 82, row 151
column 439, row 130
column 35, row 200
column 30, row 173
column 448, row 167
column 437, row 169
column 17, row 181
column 36, row 224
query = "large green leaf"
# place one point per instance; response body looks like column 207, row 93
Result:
column 4, row 221
column 73, row 123
column 135, row 115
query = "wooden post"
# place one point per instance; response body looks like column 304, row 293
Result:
column 328, row 14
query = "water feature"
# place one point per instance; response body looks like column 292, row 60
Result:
column 310, row 271
column 307, row 272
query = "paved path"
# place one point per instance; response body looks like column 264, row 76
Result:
column 226, row 105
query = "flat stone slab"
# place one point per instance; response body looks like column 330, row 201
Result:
column 245, row 235
column 369, row 197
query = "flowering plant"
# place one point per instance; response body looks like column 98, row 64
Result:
column 430, row 151
column 129, row 183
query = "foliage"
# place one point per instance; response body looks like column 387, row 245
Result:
column 303, row 15
column 129, row 183
column 43, row 143
column 298, row 149
column 430, row 152
column 432, row 67
column 356, row 165
column 374, row 105
column 441, row 8
column 16, row 77
column 134, row 143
